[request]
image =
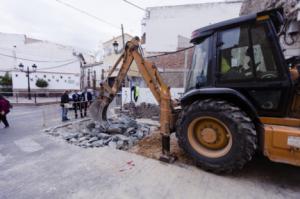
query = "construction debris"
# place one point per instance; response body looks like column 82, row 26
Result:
column 144, row 110
column 253, row 6
column 121, row 132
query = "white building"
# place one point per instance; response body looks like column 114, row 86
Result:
column 108, row 45
column 111, row 56
column 169, row 28
column 59, row 65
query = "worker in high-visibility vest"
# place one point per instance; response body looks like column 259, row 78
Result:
column 136, row 93
column 225, row 67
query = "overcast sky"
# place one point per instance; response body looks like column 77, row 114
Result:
column 53, row 21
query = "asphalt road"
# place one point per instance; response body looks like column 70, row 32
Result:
column 35, row 165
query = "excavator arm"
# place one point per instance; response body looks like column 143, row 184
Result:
column 154, row 81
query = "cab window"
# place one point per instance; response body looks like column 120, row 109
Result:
column 235, row 60
column 264, row 60
column 241, row 60
column 197, row 76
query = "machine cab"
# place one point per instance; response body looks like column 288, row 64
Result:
column 244, row 54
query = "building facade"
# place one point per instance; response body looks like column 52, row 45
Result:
column 169, row 28
column 111, row 55
column 57, row 64
column 167, row 31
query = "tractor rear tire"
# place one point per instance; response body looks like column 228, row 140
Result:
column 218, row 135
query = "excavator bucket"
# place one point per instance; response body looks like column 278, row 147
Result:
column 98, row 110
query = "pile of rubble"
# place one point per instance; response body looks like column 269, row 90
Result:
column 144, row 110
column 252, row 6
column 120, row 133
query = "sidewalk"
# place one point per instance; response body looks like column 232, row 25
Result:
column 33, row 101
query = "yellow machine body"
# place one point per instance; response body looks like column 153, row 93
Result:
column 282, row 139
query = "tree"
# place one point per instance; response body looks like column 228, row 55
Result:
column 6, row 80
column 6, row 84
column 41, row 83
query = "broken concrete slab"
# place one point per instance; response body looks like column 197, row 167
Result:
column 120, row 132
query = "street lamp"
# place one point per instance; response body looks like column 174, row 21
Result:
column 115, row 45
column 27, row 71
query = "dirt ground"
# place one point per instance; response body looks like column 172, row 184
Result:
column 150, row 147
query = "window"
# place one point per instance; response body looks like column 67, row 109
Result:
column 197, row 75
column 265, row 64
column 235, row 60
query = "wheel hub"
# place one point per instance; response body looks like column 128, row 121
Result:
column 209, row 135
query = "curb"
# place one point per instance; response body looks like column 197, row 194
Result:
column 33, row 104
column 52, row 128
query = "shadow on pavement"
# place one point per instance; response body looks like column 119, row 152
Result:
column 263, row 170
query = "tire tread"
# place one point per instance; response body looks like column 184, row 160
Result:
column 247, row 146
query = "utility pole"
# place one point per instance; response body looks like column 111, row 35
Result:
column 15, row 56
column 89, row 78
column 94, row 81
column 82, row 68
column 123, row 36
column 27, row 72
column 81, row 76
column 28, row 82
column 102, row 75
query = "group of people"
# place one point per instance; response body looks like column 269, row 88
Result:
column 4, row 110
column 80, row 102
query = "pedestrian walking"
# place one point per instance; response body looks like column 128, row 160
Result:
column 4, row 110
column 76, row 105
column 64, row 103
column 87, row 98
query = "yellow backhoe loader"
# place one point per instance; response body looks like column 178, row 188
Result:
column 240, row 96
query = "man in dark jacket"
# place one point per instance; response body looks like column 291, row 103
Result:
column 87, row 98
column 64, row 100
column 76, row 103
